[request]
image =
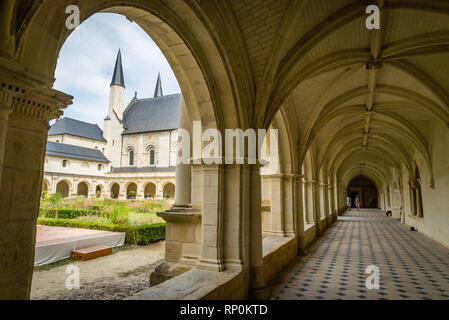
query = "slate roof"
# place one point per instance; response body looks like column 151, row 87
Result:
column 74, row 152
column 117, row 76
column 152, row 114
column 76, row 128
column 142, row 169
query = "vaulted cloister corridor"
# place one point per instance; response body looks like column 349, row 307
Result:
column 411, row 265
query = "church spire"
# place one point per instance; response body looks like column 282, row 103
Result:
column 158, row 89
column 117, row 77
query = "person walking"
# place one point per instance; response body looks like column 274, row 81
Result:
column 357, row 202
column 348, row 202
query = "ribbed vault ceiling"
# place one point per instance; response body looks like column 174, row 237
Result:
column 368, row 99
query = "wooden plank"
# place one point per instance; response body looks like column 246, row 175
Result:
column 90, row 253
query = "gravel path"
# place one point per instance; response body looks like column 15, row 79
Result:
column 116, row 276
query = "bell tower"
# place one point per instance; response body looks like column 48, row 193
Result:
column 117, row 89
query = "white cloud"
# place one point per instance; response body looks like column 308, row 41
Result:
column 86, row 63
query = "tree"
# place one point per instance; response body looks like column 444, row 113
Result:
column 54, row 199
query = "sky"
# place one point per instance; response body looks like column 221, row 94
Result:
column 86, row 63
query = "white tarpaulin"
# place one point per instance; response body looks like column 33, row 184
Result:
column 56, row 243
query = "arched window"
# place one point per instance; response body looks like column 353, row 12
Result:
column 100, row 166
column 64, row 163
column 131, row 158
column 152, row 157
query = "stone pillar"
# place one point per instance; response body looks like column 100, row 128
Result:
column 331, row 199
column 288, row 195
column 212, row 220
column 54, row 183
column 122, row 192
column 309, row 201
column 317, row 206
column 140, row 191
column 189, row 241
column 419, row 207
column 258, row 289
column 325, row 208
column 277, row 206
column 183, row 192
column 24, row 154
column 298, row 210
column 73, row 188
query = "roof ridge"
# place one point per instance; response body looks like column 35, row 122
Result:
column 130, row 104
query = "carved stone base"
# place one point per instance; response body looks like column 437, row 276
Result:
column 262, row 293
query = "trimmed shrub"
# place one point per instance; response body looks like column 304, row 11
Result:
column 139, row 235
column 67, row 213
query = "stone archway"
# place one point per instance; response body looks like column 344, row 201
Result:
column 82, row 189
column 150, row 190
column 191, row 49
column 63, row 188
column 99, row 191
column 131, row 191
column 115, row 191
column 45, row 187
column 366, row 190
column 169, row 191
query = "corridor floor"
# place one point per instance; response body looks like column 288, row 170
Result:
column 411, row 265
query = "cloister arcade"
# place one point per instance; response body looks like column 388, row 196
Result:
column 346, row 101
column 120, row 188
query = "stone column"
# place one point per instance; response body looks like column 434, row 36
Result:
column 183, row 171
column 140, row 191
column 24, row 154
column 325, row 203
column 288, row 195
column 298, row 209
column 122, row 192
column 419, row 207
column 317, row 206
column 258, row 289
column 309, row 201
column 332, row 210
column 277, row 208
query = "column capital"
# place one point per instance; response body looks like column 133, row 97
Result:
column 29, row 94
column 43, row 104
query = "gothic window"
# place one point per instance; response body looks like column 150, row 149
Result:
column 131, row 158
column 152, row 157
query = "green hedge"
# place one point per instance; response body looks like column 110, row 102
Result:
column 140, row 235
column 67, row 213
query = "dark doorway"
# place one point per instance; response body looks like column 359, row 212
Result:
column 366, row 190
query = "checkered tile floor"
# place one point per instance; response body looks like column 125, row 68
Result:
column 411, row 265
column 365, row 213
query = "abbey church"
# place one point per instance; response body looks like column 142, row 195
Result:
column 133, row 158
